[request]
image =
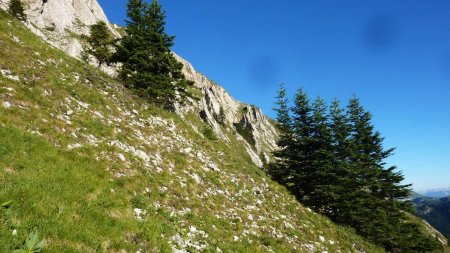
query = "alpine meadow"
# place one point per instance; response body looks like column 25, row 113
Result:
column 110, row 141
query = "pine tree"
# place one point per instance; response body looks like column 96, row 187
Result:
column 377, row 210
column 341, row 145
column 16, row 9
column 99, row 43
column 323, row 177
column 148, row 65
column 280, row 169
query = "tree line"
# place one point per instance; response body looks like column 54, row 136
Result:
column 333, row 160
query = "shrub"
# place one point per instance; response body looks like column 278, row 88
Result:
column 16, row 9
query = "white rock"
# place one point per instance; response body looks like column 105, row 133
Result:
column 235, row 238
column 196, row 178
column 6, row 104
column 214, row 167
column 138, row 213
column 321, row 238
column 73, row 146
column 141, row 154
column 121, row 157
column 14, row 232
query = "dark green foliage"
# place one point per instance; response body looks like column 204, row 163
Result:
column 279, row 169
column 16, row 9
column 209, row 133
column 220, row 117
column 148, row 65
column 100, row 42
column 333, row 161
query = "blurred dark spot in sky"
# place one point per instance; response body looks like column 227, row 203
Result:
column 379, row 32
column 263, row 71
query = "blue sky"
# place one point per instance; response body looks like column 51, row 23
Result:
column 394, row 55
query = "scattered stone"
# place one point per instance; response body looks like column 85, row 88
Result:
column 73, row 146
column 7, row 73
column 121, row 157
column 321, row 238
column 6, row 104
column 214, row 167
column 138, row 213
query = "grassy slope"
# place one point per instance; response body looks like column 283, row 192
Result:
column 82, row 199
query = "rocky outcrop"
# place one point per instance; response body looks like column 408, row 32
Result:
column 247, row 120
column 60, row 22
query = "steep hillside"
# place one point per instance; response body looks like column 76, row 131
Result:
column 62, row 23
column 436, row 211
column 93, row 168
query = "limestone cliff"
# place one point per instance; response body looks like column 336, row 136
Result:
column 60, row 22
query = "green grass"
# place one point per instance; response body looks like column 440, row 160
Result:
column 82, row 200
column 66, row 198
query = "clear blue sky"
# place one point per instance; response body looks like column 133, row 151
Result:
column 395, row 55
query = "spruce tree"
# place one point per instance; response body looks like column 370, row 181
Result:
column 342, row 150
column 16, row 9
column 322, row 177
column 301, row 147
column 148, row 65
column 280, row 169
column 99, row 42
column 377, row 210
column 335, row 164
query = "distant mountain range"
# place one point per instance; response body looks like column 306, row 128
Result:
column 435, row 211
column 436, row 193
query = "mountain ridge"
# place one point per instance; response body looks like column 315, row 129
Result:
column 254, row 125
column 138, row 178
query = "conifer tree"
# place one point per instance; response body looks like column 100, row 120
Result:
column 280, row 170
column 148, row 65
column 322, row 177
column 99, row 42
column 16, row 9
column 344, row 184
column 335, row 164
column 301, row 147
column 377, row 211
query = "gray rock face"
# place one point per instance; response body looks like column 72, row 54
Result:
column 249, row 121
column 57, row 20
column 53, row 19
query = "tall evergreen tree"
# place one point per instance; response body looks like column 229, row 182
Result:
column 301, row 147
column 377, row 212
column 340, row 143
column 148, row 65
column 335, row 163
column 322, row 176
column 280, row 170
column 99, row 42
